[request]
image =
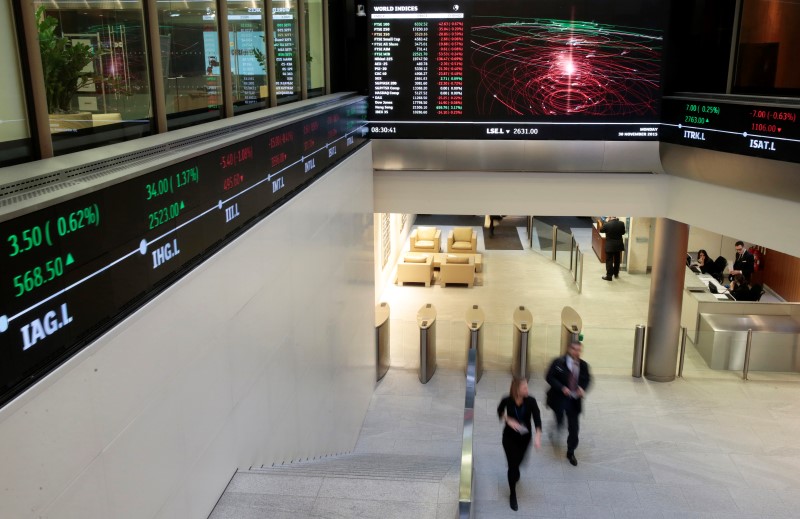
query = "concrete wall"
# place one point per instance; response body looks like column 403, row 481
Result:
column 262, row 354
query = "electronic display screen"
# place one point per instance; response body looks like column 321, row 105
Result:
column 72, row 270
column 765, row 131
column 549, row 69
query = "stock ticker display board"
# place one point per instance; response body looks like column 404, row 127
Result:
column 550, row 69
column 70, row 271
column 743, row 127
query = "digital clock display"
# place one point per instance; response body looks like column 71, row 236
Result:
column 733, row 126
column 71, row 270
column 550, row 69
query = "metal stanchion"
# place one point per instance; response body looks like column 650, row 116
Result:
column 555, row 237
column 683, row 351
column 638, row 351
column 747, row 353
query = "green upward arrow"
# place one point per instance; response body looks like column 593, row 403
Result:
column 70, row 259
column 182, row 205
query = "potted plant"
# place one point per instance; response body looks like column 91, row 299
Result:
column 63, row 64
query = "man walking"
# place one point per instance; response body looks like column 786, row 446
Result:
column 614, row 230
column 569, row 378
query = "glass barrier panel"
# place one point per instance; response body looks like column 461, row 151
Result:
column 15, row 138
column 248, row 56
column 315, row 48
column 542, row 237
column 287, row 47
column 190, row 60
column 96, row 78
column 563, row 248
column 579, row 270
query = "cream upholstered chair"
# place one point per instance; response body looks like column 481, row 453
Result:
column 415, row 268
column 457, row 269
column 425, row 239
column 462, row 239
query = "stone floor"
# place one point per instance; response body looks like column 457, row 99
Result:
column 707, row 446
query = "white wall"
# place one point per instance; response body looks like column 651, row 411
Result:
column 262, row 354
column 749, row 217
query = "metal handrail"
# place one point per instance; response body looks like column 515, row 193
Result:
column 749, row 344
column 466, row 486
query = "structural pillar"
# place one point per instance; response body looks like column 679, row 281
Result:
column 666, row 298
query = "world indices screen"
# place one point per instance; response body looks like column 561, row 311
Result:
column 549, row 69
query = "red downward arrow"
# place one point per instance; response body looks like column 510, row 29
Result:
column 779, row 130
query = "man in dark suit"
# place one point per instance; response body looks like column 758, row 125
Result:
column 743, row 264
column 569, row 378
column 614, row 230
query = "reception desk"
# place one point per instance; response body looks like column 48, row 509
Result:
column 722, row 340
column 599, row 243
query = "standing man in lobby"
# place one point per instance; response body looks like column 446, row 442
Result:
column 743, row 264
column 569, row 378
column 614, row 230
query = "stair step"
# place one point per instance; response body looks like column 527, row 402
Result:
column 369, row 466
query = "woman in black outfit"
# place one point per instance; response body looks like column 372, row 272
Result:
column 517, row 409
column 704, row 263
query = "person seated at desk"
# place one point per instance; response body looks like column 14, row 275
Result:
column 704, row 263
column 740, row 289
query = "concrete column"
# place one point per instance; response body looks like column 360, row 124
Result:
column 666, row 297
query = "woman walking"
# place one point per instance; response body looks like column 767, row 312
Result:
column 516, row 410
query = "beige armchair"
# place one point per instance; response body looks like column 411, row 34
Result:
column 462, row 239
column 457, row 269
column 415, row 268
column 425, row 239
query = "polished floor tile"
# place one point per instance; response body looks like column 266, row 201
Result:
column 707, row 446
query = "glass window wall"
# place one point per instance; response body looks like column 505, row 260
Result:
column 285, row 34
column 15, row 141
column 190, row 61
column 769, row 43
column 315, row 48
column 248, row 55
column 94, row 60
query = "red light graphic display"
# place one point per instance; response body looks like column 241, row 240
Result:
column 550, row 69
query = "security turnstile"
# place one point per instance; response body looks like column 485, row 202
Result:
column 523, row 319
column 426, row 319
column 571, row 326
column 474, row 319
column 381, row 340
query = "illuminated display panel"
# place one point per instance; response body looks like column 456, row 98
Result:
column 72, row 270
column 766, row 131
column 549, row 69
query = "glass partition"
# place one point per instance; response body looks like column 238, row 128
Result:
column 248, row 55
column 190, row 49
column 96, row 78
column 564, row 247
column 15, row 138
column 285, row 33
column 542, row 237
column 315, row 48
